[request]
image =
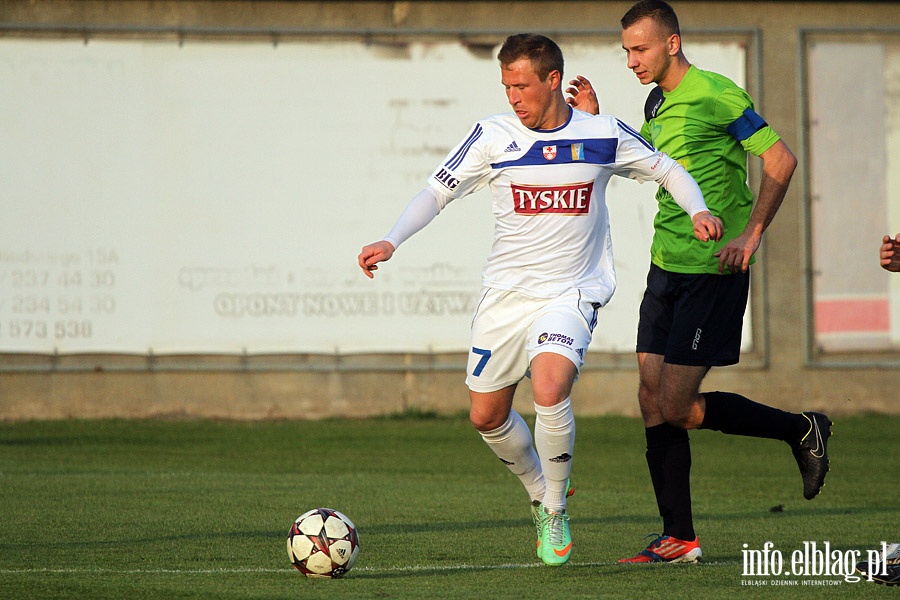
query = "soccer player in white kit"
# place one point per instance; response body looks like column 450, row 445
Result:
column 551, row 264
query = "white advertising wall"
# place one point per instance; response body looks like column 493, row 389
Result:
column 854, row 187
column 212, row 197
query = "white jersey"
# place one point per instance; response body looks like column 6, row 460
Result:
column 549, row 198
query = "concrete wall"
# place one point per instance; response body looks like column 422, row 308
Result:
column 780, row 372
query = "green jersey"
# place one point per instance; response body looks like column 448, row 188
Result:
column 707, row 124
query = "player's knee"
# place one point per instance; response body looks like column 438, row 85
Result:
column 647, row 397
column 679, row 414
column 549, row 393
column 486, row 421
column 677, row 419
column 649, row 402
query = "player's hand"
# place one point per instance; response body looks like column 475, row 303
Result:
column 890, row 253
column 736, row 254
column 707, row 227
column 583, row 96
column 373, row 254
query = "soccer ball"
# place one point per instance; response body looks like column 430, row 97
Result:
column 323, row 543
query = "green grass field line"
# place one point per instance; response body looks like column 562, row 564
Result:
column 201, row 509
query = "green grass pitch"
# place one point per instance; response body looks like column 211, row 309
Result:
column 201, row 509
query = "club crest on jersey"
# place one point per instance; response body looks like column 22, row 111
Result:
column 578, row 151
column 550, row 152
column 566, row 199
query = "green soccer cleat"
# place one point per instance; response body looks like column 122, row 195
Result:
column 537, row 511
column 556, row 541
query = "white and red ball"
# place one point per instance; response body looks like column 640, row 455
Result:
column 323, row 543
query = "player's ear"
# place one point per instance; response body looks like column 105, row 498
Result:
column 554, row 78
column 673, row 44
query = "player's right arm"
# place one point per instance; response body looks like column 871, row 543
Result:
column 420, row 211
column 890, row 253
column 582, row 95
column 462, row 172
column 373, row 254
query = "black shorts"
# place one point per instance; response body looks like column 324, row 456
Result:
column 693, row 319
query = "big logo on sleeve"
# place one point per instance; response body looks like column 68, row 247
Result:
column 568, row 199
column 447, row 179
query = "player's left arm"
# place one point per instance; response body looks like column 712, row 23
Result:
column 645, row 163
column 687, row 195
column 734, row 110
column 778, row 168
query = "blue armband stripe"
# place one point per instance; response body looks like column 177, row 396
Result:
column 746, row 125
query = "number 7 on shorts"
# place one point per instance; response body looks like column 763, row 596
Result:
column 485, row 357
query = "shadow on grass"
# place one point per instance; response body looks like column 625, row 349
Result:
column 406, row 528
column 574, row 568
column 626, row 519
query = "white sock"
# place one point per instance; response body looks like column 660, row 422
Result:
column 511, row 442
column 554, row 438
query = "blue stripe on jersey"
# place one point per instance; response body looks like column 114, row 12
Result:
column 457, row 158
column 746, row 125
column 630, row 130
column 601, row 151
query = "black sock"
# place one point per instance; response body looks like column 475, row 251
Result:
column 736, row 415
column 669, row 459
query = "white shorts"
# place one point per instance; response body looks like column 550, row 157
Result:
column 509, row 329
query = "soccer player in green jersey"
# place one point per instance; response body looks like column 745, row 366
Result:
column 692, row 311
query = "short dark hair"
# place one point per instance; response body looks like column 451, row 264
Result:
column 544, row 54
column 659, row 11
